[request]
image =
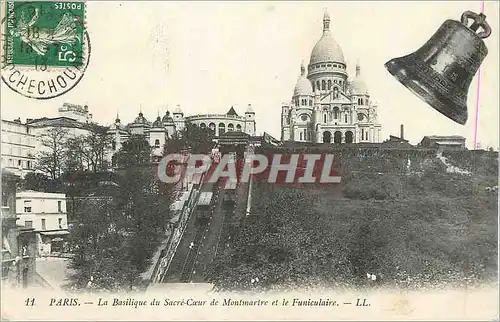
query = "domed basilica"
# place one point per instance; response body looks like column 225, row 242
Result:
column 326, row 106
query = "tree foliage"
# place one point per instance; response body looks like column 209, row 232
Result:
column 191, row 138
column 135, row 151
column 87, row 152
column 52, row 155
column 119, row 230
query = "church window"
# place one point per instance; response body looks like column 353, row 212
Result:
column 335, row 112
column 305, row 134
column 366, row 135
column 362, row 134
column 324, row 118
column 329, row 84
column 345, row 118
column 323, row 85
column 313, row 87
column 317, row 85
column 157, row 143
column 222, row 128
column 300, row 136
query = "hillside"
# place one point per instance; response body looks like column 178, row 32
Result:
column 413, row 225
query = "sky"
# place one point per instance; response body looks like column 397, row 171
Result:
column 209, row 56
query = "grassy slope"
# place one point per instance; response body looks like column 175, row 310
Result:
column 426, row 228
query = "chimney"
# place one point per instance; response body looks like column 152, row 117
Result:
column 402, row 135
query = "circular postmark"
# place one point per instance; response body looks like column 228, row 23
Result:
column 46, row 47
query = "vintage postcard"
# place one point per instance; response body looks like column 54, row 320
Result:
column 275, row 161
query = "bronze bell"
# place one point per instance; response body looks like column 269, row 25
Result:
column 441, row 71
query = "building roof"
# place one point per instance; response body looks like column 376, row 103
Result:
column 167, row 118
column 358, row 86
column 445, row 137
column 140, row 119
column 327, row 49
column 58, row 122
column 449, row 142
column 303, row 86
column 232, row 112
column 157, row 122
column 178, row 110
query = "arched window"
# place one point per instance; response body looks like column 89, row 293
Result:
column 317, row 85
column 337, row 137
column 222, row 128
column 362, row 134
column 349, row 137
column 238, row 128
column 230, row 127
column 345, row 117
column 157, row 143
column 323, row 85
column 203, row 126
column 300, row 136
column 335, row 112
column 324, row 118
column 313, row 87
column 329, row 84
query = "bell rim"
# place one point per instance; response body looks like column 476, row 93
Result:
column 458, row 115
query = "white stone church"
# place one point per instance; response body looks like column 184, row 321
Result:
column 326, row 106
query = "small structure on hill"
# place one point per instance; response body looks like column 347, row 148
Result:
column 448, row 142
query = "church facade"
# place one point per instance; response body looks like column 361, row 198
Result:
column 326, row 106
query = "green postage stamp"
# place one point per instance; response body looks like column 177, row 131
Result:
column 46, row 46
column 44, row 33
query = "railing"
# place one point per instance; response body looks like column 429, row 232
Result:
column 174, row 239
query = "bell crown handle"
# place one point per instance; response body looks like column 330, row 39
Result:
column 479, row 20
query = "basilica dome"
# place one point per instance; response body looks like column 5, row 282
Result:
column 327, row 49
column 358, row 85
column 303, row 86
